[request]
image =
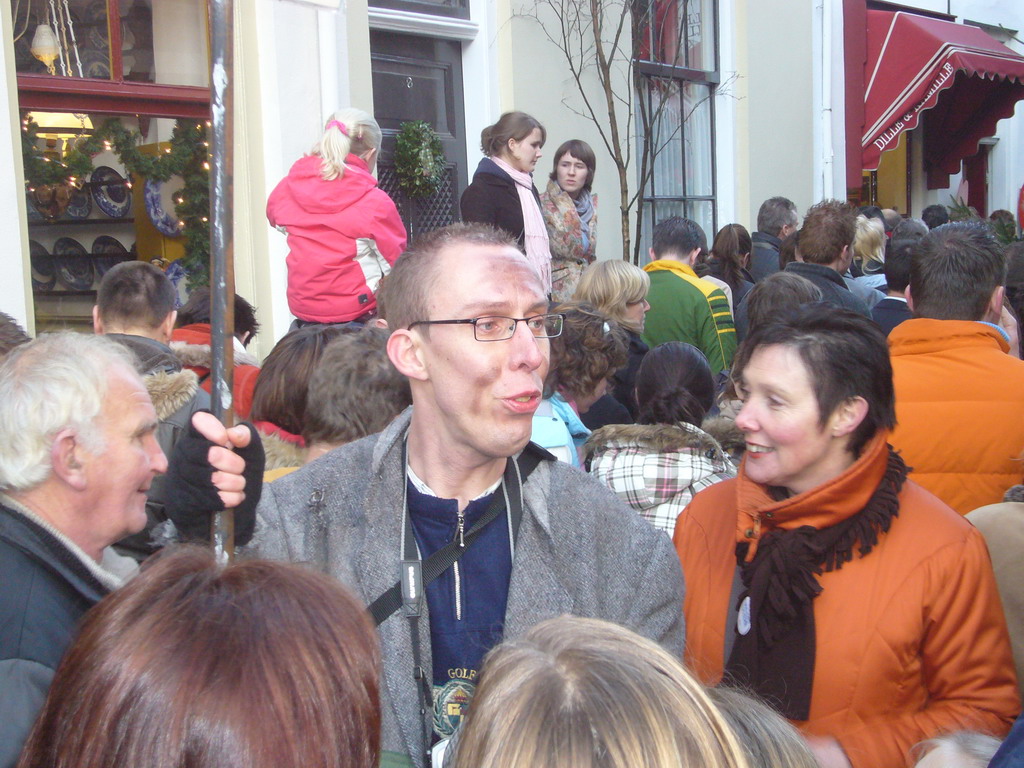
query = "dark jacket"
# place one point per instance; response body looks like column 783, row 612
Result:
column 764, row 259
column 889, row 313
column 624, row 379
column 834, row 290
column 46, row 590
column 493, row 199
column 741, row 289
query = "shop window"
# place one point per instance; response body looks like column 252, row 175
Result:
column 130, row 41
column 79, row 227
column 677, row 62
column 79, row 64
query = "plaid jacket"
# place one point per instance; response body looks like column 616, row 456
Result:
column 657, row 468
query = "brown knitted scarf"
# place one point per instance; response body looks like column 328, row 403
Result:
column 774, row 651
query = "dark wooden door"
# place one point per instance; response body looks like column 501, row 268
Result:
column 420, row 78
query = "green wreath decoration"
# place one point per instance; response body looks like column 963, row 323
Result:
column 419, row 159
column 188, row 157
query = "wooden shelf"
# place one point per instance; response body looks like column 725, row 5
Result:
column 78, row 222
column 55, row 292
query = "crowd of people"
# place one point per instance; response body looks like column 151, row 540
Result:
column 499, row 503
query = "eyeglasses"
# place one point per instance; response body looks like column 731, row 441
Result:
column 500, row 328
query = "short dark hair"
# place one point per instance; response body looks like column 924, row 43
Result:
column 774, row 214
column 829, row 226
column 11, row 334
column 1015, row 263
column 582, row 152
column 511, row 125
column 283, row 381
column 897, row 263
column 910, row 229
column 846, row 355
column 199, row 310
column 674, row 383
column 935, row 215
column 954, row 270
column 256, row 665
column 590, row 349
column 414, row 277
column 1015, row 278
column 135, row 293
column 872, row 212
column 355, row 389
column 678, row 236
column 776, row 295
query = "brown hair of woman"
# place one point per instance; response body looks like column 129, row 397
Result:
column 253, row 665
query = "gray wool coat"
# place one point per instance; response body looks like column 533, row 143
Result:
column 580, row 551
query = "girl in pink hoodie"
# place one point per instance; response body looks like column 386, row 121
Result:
column 344, row 232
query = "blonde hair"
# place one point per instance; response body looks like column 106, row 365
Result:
column 767, row 738
column 587, row 693
column 612, row 285
column 335, row 146
column 869, row 241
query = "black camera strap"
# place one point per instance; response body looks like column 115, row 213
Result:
column 416, row 575
column 409, row 592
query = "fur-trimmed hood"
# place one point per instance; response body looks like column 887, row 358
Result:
column 170, row 390
column 281, row 453
column 657, row 468
column 656, row 438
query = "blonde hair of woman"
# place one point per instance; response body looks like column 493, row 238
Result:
column 612, row 286
column 348, row 131
column 587, row 693
column 869, row 244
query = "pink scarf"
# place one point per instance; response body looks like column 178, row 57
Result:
column 538, row 252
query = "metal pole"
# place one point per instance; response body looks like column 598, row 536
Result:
column 222, row 262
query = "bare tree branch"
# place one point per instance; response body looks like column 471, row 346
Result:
column 601, row 40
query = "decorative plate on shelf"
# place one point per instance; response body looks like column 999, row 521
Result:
column 111, row 192
column 95, row 64
column 74, row 268
column 108, row 251
column 80, row 205
column 156, row 192
column 44, row 273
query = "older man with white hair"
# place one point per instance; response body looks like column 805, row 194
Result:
column 78, row 453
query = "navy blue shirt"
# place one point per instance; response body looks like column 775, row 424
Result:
column 467, row 602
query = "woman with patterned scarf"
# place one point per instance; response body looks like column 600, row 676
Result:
column 826, row 581
column 570, row 214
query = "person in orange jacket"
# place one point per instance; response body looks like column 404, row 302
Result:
column 959, row 384
column 826, row 581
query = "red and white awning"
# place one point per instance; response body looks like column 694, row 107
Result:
column 916, row 63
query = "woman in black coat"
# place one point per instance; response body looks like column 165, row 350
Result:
column 502, row 193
